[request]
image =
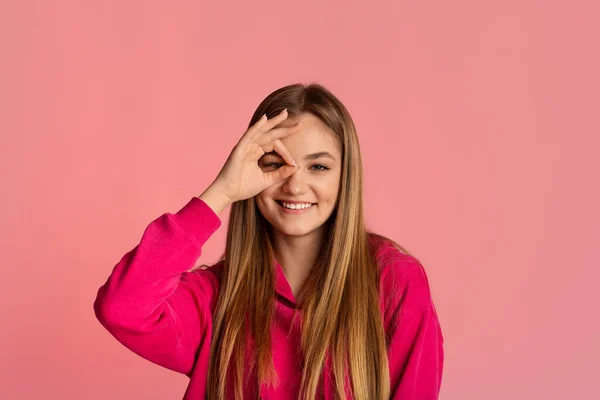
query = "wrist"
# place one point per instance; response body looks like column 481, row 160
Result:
column 214, row 197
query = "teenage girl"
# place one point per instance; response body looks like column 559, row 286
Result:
column 305, row 302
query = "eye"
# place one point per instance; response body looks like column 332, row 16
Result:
column 273, row 164
column 319, row 167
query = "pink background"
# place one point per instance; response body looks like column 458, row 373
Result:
column 479, row 128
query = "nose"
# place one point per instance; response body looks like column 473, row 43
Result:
column 295, row 184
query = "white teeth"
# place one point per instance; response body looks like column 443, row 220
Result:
column 295, row 206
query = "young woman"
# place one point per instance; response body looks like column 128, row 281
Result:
column 305, row 302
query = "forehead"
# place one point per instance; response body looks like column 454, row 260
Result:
column 314, row 136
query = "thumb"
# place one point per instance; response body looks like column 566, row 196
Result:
column 281, row 173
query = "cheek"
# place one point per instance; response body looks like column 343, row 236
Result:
column 264, row 198
column 327, row 191
column 267, row 193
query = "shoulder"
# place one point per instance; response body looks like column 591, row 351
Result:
column 394, row 261
column 213, row 273
column 403, row 279
column 205, row 280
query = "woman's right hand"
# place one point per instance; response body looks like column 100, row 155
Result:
column 241, row 177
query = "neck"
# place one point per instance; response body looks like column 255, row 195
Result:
column 297, row 255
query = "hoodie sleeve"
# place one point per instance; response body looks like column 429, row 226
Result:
column 415, row 340
column 151, row 303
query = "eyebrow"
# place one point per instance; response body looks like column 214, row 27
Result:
column 320, row 154
column 313, row 156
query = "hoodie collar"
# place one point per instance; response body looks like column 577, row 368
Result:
column 282, row 286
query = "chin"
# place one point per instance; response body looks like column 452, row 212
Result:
column 293, row 230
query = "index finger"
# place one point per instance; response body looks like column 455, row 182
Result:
column 250, row 132
column 277, row 133
column 268, row 125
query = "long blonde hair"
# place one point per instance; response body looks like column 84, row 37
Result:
column 339, row 303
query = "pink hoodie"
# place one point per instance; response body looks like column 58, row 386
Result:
column 156, row 307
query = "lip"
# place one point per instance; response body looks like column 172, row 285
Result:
column 295, row 202
column 290, row 211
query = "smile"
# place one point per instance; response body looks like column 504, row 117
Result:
column 293, row 208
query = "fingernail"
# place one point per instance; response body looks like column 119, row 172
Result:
column 284, row 110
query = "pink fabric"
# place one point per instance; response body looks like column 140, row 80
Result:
column 154, row 306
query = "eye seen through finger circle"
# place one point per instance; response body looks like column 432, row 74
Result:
column 275, row 165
